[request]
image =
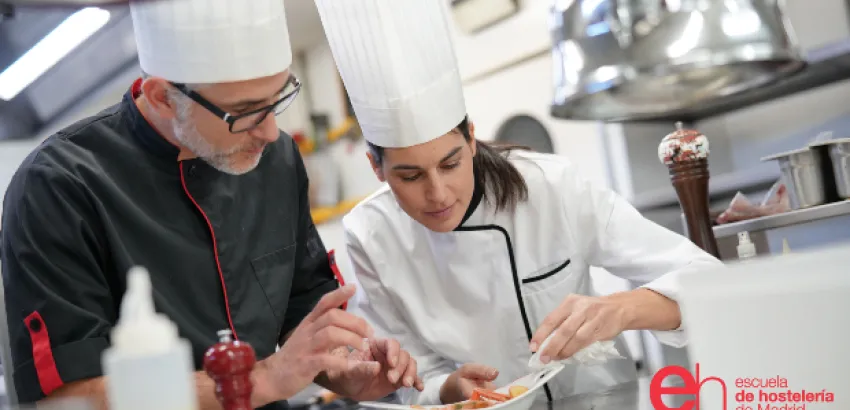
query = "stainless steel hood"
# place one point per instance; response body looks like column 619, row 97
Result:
column 617, row 60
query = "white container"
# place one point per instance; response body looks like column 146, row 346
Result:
column 148, row 366
column 746, row 248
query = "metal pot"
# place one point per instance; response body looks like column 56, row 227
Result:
column 801, row 172
column 839, row 155
column 627, row 60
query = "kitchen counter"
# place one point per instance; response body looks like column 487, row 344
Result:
column 795, row 217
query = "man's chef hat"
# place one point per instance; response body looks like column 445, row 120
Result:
column 398, row 65
column 211, row 41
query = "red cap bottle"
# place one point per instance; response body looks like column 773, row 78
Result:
column 229, row 363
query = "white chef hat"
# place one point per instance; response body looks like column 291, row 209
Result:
column 211, row 41
column 398, row 64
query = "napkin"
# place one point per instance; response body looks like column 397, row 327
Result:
column 595, row 354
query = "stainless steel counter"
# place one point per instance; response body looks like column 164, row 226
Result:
column 803, row 229
column 785, row 219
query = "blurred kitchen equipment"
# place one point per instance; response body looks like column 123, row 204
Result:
column 624, row 59
column 838, row 158
column 526, row 131
column 801, row 171
column 685, row 153
column 323, row 171
column 68, row 3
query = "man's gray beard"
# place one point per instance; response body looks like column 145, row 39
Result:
column 189, row 137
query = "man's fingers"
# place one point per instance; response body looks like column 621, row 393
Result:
column 345, row 320
column 390, row 349
column 332, row 364
column 410, row 372
column 562, row 335
column 550, row 323
column 396, row 373
column 477, row 371
column 330, row 301
column 332, row 337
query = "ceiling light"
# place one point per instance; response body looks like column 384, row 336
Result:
column 72, row 32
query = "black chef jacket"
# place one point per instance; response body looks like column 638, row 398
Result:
column 108, row 193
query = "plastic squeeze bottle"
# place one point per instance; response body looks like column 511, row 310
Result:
column 746, row 247
column 148, row 366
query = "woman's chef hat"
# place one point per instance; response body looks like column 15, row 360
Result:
column 211, row 41
column 398, row 65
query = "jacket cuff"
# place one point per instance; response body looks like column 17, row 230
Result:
column 667, row 286
column 429, row 396
column 74, row 361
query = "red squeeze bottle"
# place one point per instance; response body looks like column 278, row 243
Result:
column 229, row 363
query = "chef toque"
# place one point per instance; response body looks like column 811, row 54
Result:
column 398, row 65
column 211, row 41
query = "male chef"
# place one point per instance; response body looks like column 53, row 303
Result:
column 190, row 177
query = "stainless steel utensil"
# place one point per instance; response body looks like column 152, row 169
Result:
column 801, row 172
column 839, row 156
column 628, row 59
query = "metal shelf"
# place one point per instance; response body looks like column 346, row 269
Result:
column 825, row 65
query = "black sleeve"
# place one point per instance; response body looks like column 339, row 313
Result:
column 314, row 269
column 58, row 304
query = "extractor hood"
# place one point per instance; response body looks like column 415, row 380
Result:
column 621, row 60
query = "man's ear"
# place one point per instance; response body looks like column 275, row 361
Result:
column 376, row 168
column 155, row 92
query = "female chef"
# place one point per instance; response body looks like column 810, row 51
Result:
column 474, row 254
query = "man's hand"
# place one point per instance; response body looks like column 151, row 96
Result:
column 309, row 350
column 459, row 385
column 578, row 322
column 380, row 370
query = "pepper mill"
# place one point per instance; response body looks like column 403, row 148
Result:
column 685, row 152
column 229, row 363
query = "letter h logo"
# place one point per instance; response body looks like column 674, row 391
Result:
column 692, row 386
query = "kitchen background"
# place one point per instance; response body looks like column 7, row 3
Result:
column 505, row 50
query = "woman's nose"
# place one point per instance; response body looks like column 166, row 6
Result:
column 437, row 189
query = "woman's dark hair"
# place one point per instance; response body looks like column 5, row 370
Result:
column 502, row 182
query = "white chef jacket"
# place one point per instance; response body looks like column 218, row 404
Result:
column 477, row 294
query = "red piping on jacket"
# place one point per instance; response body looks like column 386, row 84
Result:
column 215, row 251
column 42, row 354
column 337, row 273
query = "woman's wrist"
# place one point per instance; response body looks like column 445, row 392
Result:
column 646, row 309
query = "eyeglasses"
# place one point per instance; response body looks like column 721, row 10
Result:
column 249, row 120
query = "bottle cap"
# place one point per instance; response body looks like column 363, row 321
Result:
column 683, row 145
column 140, row 329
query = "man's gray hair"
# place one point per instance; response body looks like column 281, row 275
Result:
column 182, row 103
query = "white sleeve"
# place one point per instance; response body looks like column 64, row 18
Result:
column 632, row 247
column 377, row 307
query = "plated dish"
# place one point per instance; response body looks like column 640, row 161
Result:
column 516, row 395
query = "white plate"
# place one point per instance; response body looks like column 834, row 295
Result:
column 533, row 382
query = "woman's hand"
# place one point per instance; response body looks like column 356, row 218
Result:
column 578, row 322
column 459, row 385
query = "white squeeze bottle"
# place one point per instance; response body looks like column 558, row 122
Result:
column 746, row 248
column 148, row 366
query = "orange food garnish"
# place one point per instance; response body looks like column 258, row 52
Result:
column 489, row 394
column 516, row 391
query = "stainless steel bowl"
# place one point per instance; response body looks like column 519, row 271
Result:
column 839, row 156
column 801, row 172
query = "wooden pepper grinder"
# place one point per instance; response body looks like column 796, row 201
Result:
column 229, row 363
column 685, row 152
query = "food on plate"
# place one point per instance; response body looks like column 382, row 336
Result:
column 479, row 394
column 516, row 391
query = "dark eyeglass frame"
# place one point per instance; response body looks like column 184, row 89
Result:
column 231, row 119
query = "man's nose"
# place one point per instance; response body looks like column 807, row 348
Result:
column 267, row 130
